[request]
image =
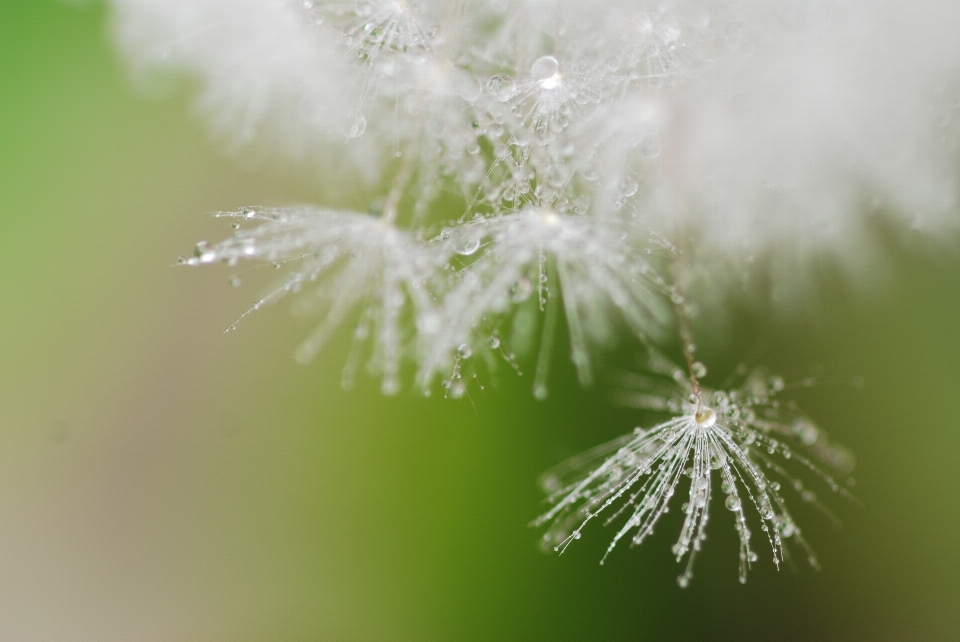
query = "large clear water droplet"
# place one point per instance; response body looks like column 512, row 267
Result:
column 544, row 68
column 502, row 87
column 464, row 241
column 705, row 417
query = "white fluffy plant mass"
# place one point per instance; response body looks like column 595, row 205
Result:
column 604, row 161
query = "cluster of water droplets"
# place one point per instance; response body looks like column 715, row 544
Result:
column 740, row 440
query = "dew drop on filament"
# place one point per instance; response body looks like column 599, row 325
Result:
column 358, row 127
column 544, row 67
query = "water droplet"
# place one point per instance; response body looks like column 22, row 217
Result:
column 234, row 281
column 705, row 417
column 464, row 241
column 457, row 389
column 545, row 70
column 555, row 177
column 521, row 290
column 550, row 484
column 493, row 341
column 627, row 186
column 806, row 432
column 732, row 502
column 494, row 130
column 683, row 581
column 808, row 496
column 787, row 528
column 581, row 205
column 358, row 127
column 540, row 391
column 627, row 456
column 777, row 383
column 465, row 351
column 502, row 87
column 649, row 148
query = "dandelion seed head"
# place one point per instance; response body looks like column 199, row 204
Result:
column 523, row 161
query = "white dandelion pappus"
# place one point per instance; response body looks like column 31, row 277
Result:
column 743, row 441
column 798, row 147
column 376, row 27
column 264, row 80
column 352, row 259
column 587, row 263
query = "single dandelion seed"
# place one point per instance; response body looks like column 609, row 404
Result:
column 349, row 262
column 700, row 451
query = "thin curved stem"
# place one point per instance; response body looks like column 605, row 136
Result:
column 680, row 279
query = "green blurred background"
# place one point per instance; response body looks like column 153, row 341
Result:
column 160, row 480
